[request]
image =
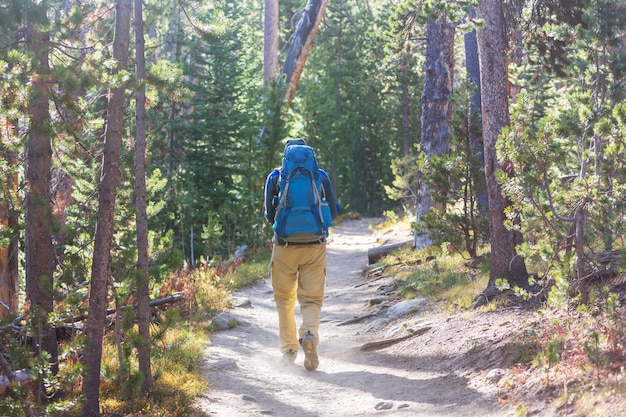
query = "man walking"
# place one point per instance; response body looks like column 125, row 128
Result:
column 300, row 203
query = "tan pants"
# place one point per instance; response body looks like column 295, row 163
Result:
column 298, row 272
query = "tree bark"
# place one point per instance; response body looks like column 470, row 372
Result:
column 289, row 76
column 270, row 41
column 301, row 45
column 143, row 259
column 39, row 219
column 105, row 217
column 436, row 107
column 472, row 67
column 505, row 263
column 9, row 277
column 375, row 254
column 405, row 101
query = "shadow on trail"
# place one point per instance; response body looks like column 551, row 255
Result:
column 259, row 396
column 389, row 387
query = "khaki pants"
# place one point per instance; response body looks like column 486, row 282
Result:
column 298, row 272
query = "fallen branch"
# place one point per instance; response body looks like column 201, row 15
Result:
column 601, row 275
column 386, row 343
column 356, row 320
column 377, row 271
column 10, row 377
column 154, row 303
column 369, row 281
column 374, row 254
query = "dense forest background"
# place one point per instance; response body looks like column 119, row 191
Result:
column 148, row 125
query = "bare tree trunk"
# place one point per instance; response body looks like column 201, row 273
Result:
column 579, row 221
column 143, row 259
column 472, row 66
column 301, row 45
column 270, row 41
column 9, row 277
column 436, row 107
column 302, row 40
column 505, row 263
column 39, row 219
column 404, row 100
column 105, row 217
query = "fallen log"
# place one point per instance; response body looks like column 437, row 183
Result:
column 374, row 254
column 26, row 378
column 19, row 377
column 11, row 377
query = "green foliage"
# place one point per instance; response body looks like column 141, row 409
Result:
column 212, row 233
column 250, row 272
column 349, row 97
column 214, row 153
column 431, row 283
column 455, row 181
column 566, row 127
column 548, row 358
column 594, row 352
column 18, row 338
column 502, row 284
column 406, row 179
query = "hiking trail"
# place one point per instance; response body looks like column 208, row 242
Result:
column 433, row 373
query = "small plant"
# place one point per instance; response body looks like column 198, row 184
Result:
column 521, row 411
column 526, row 345
column 502, row 284
column 612, row 308
column 594, row 353
column 548, row 358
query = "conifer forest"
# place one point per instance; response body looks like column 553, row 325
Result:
column 136, row 137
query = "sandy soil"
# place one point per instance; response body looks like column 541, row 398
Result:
column 446, row 371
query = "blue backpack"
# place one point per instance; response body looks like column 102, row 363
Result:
column 302, row 214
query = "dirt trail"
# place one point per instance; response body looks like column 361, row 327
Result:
column 242, row 364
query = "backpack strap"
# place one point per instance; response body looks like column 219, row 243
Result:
column 318, row 199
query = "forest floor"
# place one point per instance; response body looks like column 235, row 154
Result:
column 435, row 363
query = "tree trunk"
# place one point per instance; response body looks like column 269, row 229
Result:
column 579, row 217
column 505, row 263
column 436, row 107
column 289, row 76
column 405, row 101
column 9, row 278
column 39, row 219
column 143, row 278
column 105, row 217
column 472, row 67
column 301, row 45
column 270, row 41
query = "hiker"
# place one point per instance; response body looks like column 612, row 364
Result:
column 300, row 203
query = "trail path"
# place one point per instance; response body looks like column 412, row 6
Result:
column 242, row 364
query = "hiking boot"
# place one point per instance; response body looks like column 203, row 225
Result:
column 289, row 357
column 311, row 361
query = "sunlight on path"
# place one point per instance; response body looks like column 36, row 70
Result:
column 243, row 367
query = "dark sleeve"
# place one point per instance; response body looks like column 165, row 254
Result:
column 329, row 193
column 271, row 196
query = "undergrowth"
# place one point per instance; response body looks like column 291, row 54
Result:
column 439, row 274
column 179, row 336
column 573, row 355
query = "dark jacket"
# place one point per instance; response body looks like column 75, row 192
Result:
column 272, row 189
